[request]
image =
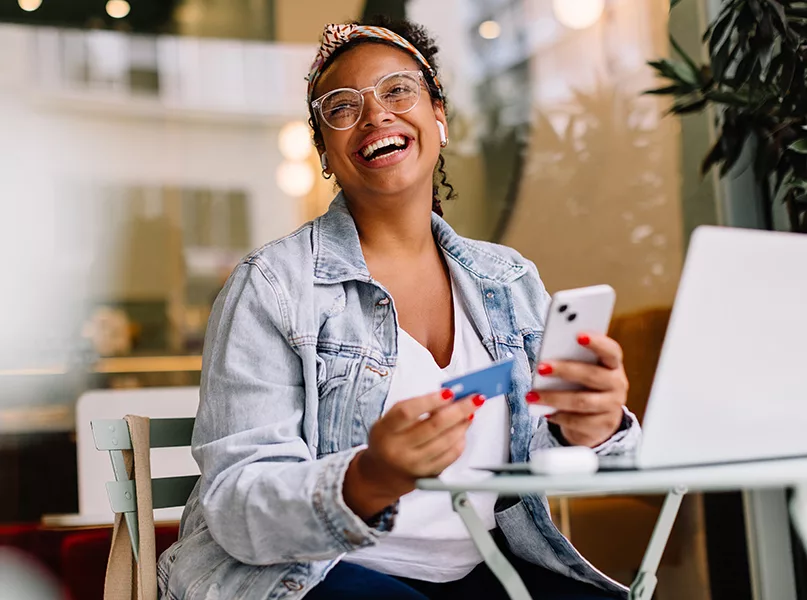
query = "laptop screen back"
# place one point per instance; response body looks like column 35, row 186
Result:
column 731, row 383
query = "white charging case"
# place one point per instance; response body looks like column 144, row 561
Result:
column 565, row 460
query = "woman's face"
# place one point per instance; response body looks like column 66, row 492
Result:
column 380, row 173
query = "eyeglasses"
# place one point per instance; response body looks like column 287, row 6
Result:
column 342, row 108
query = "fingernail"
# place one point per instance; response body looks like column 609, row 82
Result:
column 471, row 417
column 478, row 400
column 544, row 369
column 532, row 397
column 583, row 339
column 447, row 395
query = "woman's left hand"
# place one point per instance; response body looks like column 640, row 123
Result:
column 587, row 417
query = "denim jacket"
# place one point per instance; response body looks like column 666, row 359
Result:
column 298, row 356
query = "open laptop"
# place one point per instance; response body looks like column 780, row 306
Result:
column 731, row 383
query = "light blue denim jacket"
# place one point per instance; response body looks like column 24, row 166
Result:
column 299, row 352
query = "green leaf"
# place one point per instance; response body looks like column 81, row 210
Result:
column 788, row 183
column 663, row 91
column 728, row 7
column 723, row 59
column 685, row 73
column 732, row 98
column 743, row 69
column 774, row 69
column 696, row 70
column 780, row 20
column 733, row 141
column 719, row 31
column 673, row 3
column 685, row 108
column 674, row 70
column 799, row 146
column 715, row 156
column 664, row 69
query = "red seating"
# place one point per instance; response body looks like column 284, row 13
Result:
column 32, row 539
column 84, row 556
column 77, row 558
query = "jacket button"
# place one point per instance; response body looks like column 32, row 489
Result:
column 294, row 586
column 383, row 302
column 489, row 295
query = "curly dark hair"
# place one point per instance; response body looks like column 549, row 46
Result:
column 420, row 39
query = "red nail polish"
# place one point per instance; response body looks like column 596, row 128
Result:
column 447, row 395
column 532, row 397
column 471, row 417
column 583, row 339
column 478, row 400
column 544, row 369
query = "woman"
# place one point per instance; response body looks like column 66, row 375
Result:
column 323, row 353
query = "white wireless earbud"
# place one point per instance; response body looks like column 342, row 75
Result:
column 443, row 139
column 323, row 160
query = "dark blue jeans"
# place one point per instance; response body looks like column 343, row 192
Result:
column 353, row 582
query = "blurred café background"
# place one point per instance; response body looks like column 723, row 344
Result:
column 148, row 144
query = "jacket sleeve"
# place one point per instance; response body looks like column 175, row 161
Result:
column 265, row 496
column 624, row 441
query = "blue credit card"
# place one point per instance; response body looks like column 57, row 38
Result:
column 495, row 380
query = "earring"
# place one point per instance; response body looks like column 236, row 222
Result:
column 323, row 160
column 443, row 139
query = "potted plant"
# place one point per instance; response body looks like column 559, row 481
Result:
column 757, row 79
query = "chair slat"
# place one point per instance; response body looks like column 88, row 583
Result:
column 122, row 496
column 111, row 434
column 167, row 492
column 170, row 433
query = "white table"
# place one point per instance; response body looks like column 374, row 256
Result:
column 764, row 482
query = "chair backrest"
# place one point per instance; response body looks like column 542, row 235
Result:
column 113, row 436
column 94, row 468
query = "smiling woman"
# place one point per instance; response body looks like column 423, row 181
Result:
column 398, row 93
column 321, row 400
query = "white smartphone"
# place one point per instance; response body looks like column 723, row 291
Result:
column 570, row 313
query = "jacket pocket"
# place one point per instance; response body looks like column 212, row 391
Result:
column 335, row 381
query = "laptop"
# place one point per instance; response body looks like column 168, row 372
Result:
column 731, row 382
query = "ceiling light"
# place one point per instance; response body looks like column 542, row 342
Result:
column 294, row 140
column 117, row 9
column 578, row 14
column 490, row 30
column 29, row 5
column 295, row 178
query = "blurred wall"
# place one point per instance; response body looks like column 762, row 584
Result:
column 600, row 201
column 236, row 19
column 79, row 135
column 302, row 22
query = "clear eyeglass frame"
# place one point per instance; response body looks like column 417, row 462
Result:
column 317, row 104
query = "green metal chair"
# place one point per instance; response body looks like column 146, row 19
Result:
column 167, row 492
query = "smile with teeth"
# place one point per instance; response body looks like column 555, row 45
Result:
column 384, row 147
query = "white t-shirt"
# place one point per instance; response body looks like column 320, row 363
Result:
column 429, row 541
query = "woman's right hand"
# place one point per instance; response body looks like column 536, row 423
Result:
column 418, row 437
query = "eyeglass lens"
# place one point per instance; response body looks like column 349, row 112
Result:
column 397, row 93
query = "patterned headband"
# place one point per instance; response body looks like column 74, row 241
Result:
column 337, row 35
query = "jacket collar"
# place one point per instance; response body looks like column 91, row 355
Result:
column 338, row 255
